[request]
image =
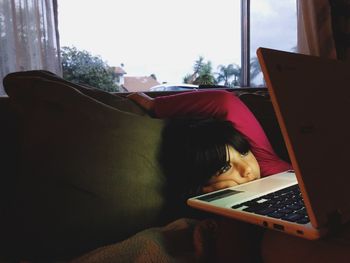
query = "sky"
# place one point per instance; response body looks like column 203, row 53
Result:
column 164, row 37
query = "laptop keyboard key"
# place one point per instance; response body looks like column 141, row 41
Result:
column 286, row 204
column 285, row 211
column 292, row 217
column 294, row 207
column 266, row 211
column 303, row 220
column 276, row 214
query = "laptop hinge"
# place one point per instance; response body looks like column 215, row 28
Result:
column 334, row 222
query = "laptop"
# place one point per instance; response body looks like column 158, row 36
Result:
column 311, row 99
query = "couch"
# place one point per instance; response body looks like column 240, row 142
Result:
column 80, row 171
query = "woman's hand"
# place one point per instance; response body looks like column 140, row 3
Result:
column 143, row 100
column 217, row 183
column 222, row 181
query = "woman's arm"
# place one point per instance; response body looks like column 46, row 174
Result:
column 143, row 100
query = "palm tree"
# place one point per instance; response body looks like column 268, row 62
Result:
column 255, row 69
column 202, row 73
column 224, row 74
column 197, row 67
column 188, row 79
column 206, row 77
column 198, row 64
column 237, row 76
column 227, row 72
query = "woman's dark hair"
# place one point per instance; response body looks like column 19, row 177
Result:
column 193, row 150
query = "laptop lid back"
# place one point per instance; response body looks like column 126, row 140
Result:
column 311, row 98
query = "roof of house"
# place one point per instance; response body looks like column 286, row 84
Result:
column 119, row 70
column 138, row 84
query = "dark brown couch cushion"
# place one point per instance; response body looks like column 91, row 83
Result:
column 261, row 106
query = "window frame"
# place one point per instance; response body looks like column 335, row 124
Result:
column 245, row 43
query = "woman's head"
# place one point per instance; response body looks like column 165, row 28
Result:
column 207, row 152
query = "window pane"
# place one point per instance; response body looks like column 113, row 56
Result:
column 156, row 41
column 273, row 25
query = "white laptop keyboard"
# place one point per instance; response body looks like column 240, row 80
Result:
column 286, row 204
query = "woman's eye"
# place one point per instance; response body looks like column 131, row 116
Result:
column 244, row 154
column 224, row 169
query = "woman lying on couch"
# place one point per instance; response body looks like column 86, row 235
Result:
column 213, row 141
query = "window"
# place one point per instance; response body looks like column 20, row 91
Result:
column 173, row 42
column 166, row 43
column 273, row 24
column 28, row 37
column 157, row 41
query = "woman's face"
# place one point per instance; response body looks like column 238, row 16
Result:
column 244, row 168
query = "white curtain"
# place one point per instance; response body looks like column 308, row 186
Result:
column 28, row 36
column 315, row 35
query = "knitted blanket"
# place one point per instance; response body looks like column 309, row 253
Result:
column 184, row 240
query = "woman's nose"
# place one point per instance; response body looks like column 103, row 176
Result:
column 245, row 170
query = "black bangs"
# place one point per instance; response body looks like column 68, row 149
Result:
column 193, row 150
column 205, row 160
column 238, row 142
column 207, row 146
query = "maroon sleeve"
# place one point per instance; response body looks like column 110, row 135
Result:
column 225, row 105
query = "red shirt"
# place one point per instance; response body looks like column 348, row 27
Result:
column 224, row 105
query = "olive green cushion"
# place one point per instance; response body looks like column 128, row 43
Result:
column 113, row 100
column 88, row 176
